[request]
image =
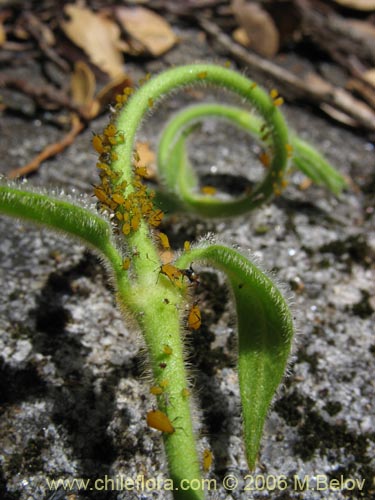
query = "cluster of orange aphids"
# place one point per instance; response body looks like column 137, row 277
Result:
column 121, row 99
column 127, row 210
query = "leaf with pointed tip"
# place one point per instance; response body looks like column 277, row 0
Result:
column 265, row 333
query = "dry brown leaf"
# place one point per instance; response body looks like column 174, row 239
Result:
column 82, row 89
column 82, row 84
column 2, row 35
column 98, row 36
column 148, row 28
column 259, row 26
column 358, row 4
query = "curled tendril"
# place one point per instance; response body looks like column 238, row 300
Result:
column 265, row 122
column 178, row 177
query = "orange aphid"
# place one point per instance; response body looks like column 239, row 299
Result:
column 187, row 246
column 150, row 102
column 278, row 102
column 121, row 186
column 156, row 390
column 146, row 207
column 103, row 166
column 185, row 393
column 164, row 241
column 136, row 156
column 202, row 75
column 110, row 130
column 207, row 460
column 97, row 142
column 274, row 93
column 120, row 99
column 106, row 184
column 155, row 218
column 158, row 420
column 135, row 220
column 172, row 273
column 265, row 159
column 289, row 150
column 127, row 204
column 208, row 190
column 100, row 193
column 140, row 188
column 164, row 383
column 126, row 263
column 141, row 171
column 167, row 350
column 118, row 198
column 194, row 318
column 126, row 228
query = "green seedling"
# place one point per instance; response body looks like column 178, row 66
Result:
column 156, row 294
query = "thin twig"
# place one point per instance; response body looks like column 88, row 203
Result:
column 314, row 89
column 50, row 150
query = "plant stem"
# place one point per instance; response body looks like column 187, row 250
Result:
column 157, row 304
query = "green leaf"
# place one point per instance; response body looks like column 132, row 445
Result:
column 178, row 174
column 61, row 216
column 316, row 167
column 265, row 332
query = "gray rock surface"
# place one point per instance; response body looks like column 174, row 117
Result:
column 74, row 393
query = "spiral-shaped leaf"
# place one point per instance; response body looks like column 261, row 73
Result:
column 266, row 107
column 174, row 164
